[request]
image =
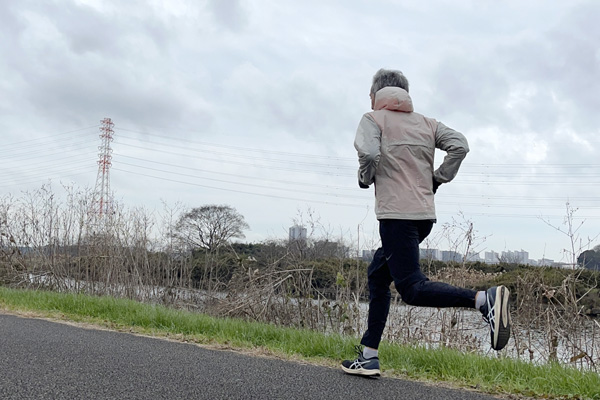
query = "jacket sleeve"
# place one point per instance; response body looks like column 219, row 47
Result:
column 456, row 146
column 368, row 145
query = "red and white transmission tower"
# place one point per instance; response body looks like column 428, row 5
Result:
column 102, row 198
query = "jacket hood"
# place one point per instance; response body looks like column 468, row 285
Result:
column 393, row 99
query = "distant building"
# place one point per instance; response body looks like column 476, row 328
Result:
column 297, row 232
column 523, row 256
column 327, row 249
column 473, row 257
column 451, row 256
column 430, row 254
column 491, row 257
column 516, row 257
column 367, row 255
column 545, row 262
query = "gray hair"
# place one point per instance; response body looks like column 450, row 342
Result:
column 388, row 77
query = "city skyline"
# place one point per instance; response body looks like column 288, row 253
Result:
column 490, row 257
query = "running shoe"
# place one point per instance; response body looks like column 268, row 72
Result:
column 362, row 366
column 496, row 313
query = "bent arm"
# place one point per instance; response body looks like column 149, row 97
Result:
column 456, row 146
column 368, row 145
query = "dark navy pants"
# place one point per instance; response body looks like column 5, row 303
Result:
column 398, row 261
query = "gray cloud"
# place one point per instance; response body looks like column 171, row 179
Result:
column 540, row 82
column 229, row 13
column 80, row 64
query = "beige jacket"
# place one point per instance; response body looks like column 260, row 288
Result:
column 396, row 148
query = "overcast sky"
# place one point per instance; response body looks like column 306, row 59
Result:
column 255, row 104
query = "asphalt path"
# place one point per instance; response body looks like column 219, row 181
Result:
column 40, row 359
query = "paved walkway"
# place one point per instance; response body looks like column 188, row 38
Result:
column 47, row 360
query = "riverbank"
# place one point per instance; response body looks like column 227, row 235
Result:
column 441, row 366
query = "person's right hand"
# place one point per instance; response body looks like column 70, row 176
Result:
column 436, row 185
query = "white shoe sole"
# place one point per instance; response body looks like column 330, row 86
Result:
column 362, row 371
column 501, row 331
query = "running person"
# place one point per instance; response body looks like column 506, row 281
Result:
column 396, row 148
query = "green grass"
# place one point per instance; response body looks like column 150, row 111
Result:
column 493, row 375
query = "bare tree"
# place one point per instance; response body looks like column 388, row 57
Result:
column 210, row 227
column 571, row 230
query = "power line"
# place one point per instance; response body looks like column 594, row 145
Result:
column 46, row 168
column 244, row 183
column 289, row 182
column 31, row 180
column 486, row 205
column 203, row 157
column 492, row 215
column 213, row 172
column 248, row 149
column 353, row 160
column 37, row 139
column 484, row 175
column 466, row 171
column 242, row 191
column 353, row 189
column 272, row 160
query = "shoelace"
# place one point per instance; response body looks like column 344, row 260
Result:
column 358, row 349
column 491, row 311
